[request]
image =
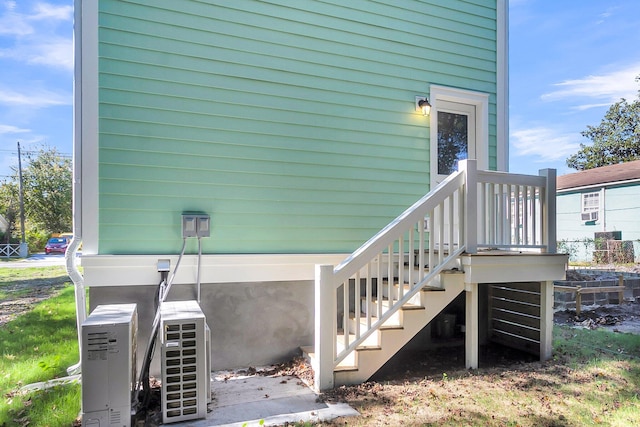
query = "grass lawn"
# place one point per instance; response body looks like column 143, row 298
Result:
column 38, row 343
column 592, row 380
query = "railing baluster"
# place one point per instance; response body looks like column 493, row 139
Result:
column 391, row 278
column 369, row 297
column 357, row 305
column 421, row 225
column 500, row 215
column 515, row 223
column 525, row 215
column 345, row 316
column 511, row 208
column 450, row 200
column 534, row 215
column 483, row 213
column 461, row 208
column 492, row 214
column 401, row 266
column 379, row 287
column 440, row 232
column 432, row 243
column 411, row 258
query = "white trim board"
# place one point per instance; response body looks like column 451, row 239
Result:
column 85, row 144
column 139, row 270
column 502, row 89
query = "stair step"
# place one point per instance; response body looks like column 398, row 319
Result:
column 407, row 288
column 389, row 324
column 347, row 365
column 396, row 317
column 371, row 343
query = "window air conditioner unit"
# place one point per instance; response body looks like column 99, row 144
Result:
column 109, row 365
column 184, row 361
column 590, row 216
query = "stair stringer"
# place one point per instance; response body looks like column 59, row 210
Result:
column 392, row 340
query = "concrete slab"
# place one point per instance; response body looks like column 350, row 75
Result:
column 275, row 400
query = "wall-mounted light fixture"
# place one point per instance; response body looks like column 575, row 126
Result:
column 423, row 105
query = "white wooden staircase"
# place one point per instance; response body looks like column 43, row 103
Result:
column 393, row 334
column 374, row 302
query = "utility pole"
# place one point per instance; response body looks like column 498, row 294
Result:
column 23, row 245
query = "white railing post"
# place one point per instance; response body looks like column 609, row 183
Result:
column 325, row 327
column 471, row 205
column 549, row 210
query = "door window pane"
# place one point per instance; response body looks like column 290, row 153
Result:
column 453, row 141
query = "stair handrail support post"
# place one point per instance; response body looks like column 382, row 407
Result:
column 470, row 168
column 325, row 327
column 549, row 210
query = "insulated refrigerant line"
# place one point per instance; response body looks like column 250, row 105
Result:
column 163, row 290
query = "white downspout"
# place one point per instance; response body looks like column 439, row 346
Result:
column 80, row 294
column 72, row 250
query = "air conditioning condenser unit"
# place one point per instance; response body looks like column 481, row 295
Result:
column 109, row 365
column 184, row 362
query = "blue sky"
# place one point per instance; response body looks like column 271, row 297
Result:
column 569, row 61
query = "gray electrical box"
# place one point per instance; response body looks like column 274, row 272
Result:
column 196, row 225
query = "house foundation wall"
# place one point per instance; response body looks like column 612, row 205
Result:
column 252, row 324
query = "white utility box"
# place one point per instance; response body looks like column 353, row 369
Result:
column 109, row 365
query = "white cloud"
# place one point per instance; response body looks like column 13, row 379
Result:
column 57, row 53
column 50, row 11
column 606, row 15
column 40, row 43
column 605, row 89
column 35, row 98
column 14, row 24
column 6, row 129
column 544, row 144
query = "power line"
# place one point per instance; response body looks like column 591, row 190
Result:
column 6, row 150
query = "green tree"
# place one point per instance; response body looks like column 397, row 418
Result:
column 615, row 140
column 47, row 187
column 9, row 208
column 47, row 184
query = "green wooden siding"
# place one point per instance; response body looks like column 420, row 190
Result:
column 290, row 122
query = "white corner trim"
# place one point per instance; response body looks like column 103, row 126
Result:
column 138, row 270
column 502, row 89
column 85, row 210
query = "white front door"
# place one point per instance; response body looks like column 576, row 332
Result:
column 459, row 130
column 456, row 138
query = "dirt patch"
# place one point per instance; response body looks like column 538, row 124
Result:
column 21, row 296
column 623, row 317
